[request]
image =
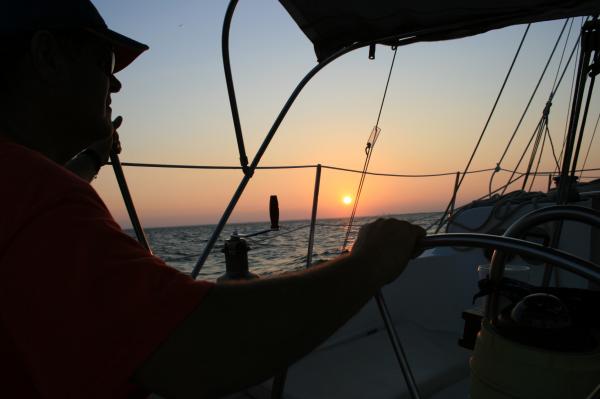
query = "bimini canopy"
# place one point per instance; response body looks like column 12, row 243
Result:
column 334, row 24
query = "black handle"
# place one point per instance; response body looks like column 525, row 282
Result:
column 274, row 212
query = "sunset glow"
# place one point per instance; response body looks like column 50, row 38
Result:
column 430, row 122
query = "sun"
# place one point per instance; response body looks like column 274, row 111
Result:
column 347, row 200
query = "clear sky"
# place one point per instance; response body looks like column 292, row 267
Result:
column 175, row 106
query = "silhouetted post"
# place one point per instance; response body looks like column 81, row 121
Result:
column 454, row 193
column 135, row 221
column 313, row 218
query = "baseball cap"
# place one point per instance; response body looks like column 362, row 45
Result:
column 22, row 16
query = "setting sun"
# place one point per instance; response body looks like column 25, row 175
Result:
column 347, row 200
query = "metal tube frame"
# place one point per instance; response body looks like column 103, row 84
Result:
column 521, row 226
column 411, row 384
column 230, row 88
column 135, row 220
column 561, row 259
column 313, row 218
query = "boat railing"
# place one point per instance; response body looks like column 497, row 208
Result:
column 317, row 186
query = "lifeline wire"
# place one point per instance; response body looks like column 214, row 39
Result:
column 178, row 166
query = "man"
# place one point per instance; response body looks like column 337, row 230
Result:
column 86, row 312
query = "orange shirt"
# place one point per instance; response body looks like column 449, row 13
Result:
column 82, row 304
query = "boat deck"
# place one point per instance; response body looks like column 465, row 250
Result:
column 365, row 367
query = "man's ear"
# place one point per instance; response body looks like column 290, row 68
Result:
column 48, row 58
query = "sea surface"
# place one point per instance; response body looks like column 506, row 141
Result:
column 271, row 253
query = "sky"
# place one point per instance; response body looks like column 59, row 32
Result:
column 175, row 109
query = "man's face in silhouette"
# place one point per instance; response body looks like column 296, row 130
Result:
column 87, row 83
column 60, row 83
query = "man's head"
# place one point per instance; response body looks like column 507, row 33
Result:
column 57, row 86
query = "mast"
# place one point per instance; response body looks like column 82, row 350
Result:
column 589, row 67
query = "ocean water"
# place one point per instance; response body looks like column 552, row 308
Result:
column 271, row 253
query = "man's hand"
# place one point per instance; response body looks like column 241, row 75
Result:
column 86, row 165
column 387, row 245
column 103, row 147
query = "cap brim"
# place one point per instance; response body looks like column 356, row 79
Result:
column 126, row 49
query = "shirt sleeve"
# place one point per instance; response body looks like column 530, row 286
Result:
column 85, row 304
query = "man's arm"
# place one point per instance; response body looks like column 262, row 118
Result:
column 246, row 332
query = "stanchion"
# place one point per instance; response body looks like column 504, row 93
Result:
column 135, row 221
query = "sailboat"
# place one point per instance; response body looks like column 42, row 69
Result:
column 537, row 334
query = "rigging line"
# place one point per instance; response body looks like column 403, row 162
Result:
column 533, row 94
column 478, row 199
column 387, row 83
column 464, row 174
column 554, row 85
column 537, row 167
column 500, row 188
column 562, row 75
column 572, row 91
column 495, row 105
column 552, row 147
column 356, row 200
column 534, row 152
column 523, row 156
column 548, row 103
column 369, row 154
column 590, row 146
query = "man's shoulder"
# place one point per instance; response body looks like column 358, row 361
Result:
column 25, row 172
column 33, row 185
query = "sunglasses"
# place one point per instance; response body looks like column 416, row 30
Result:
column 108, row 63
